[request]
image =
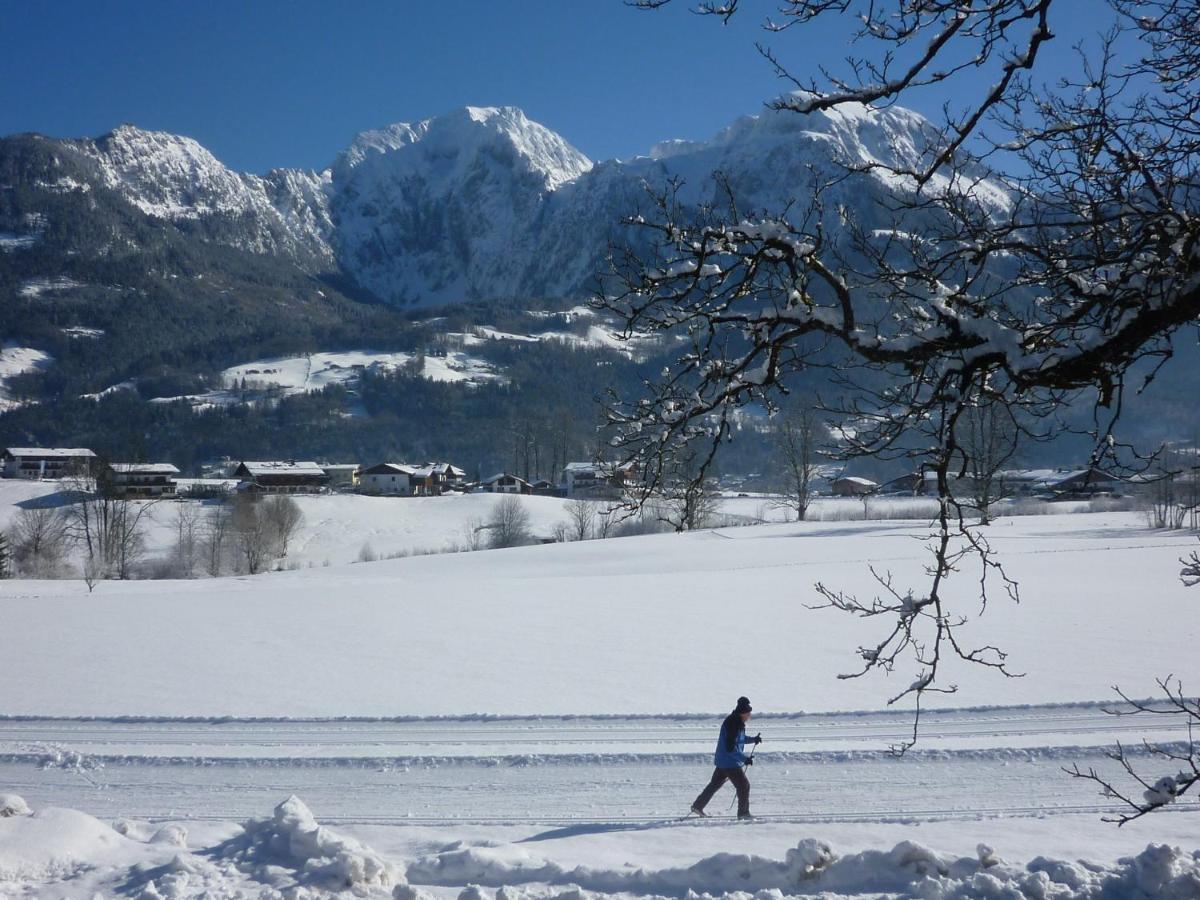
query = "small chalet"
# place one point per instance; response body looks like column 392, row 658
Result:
column 852, row 486
column 386, row 478
column 504, row 483
column 597, row 479
column 431, row 479
column 46, row 462
column 281, row 477
column 142, row 479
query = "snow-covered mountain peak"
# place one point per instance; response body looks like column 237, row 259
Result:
column 457, row 137
column 150, row 164
column 172, row 177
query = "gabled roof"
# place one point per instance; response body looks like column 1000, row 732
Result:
column 502, row 475
column 49, row 452
column 281, row 467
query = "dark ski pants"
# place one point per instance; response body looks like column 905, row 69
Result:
column 719, row 777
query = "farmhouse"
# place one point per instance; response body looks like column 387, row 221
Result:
column 504, row 483
column 281, row 477
column 852, row 486
column 46, row 462
column 142, row 479
column 426, row 480
column 386, row 478
column 436, row 478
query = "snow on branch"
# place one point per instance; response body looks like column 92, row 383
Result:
column 1148, row 793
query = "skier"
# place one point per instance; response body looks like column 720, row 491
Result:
column 729, row 760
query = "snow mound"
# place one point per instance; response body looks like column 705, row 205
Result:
column 291, row 850
column 12, row 805
column 812, row 867
column 52, row 844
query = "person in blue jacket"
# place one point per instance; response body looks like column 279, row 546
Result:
column 729, row 759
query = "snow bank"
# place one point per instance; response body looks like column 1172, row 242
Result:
column 812, row 867
column 53, row 844
column 290, row 849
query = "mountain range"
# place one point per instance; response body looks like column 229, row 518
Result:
column 481, row 203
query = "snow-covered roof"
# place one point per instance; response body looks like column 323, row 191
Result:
column 576, row 467
column 854, row 479
column 447, row 469
column 144, row 468
column 49, row 452
column 282, row 467
column 389, row 469
column 597, row 468
column 339, row 467
column 499, row 476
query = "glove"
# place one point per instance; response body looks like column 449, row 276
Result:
column 749, row 760
column 757, row 739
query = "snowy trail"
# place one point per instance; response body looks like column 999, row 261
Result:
column 1029, row 726
column 973, row 763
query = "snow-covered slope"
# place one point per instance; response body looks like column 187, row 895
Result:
column 171, row 177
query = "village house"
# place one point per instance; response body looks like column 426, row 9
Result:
column 386, row 478
column 46, row 462
column 281, row 477
column 504, row 483
column 402, row 479
column 142, row 479
column 432, row 479
column 852, row 486
column 597, row 479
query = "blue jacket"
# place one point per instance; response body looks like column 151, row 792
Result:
column 731, row 743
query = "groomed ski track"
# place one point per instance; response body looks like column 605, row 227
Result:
column 603, row 771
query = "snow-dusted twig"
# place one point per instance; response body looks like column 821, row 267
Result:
column 1149, row 795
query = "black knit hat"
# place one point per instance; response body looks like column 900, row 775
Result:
column 743, row 705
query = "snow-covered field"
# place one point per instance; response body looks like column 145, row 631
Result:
column 533, row 721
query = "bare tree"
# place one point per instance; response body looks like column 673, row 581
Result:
column 253, row 537
column 187, row 538
column 796, row 438
column 988, row 438
column 218, row 525
column 5, row 557
column 107, row 525
column 92, row 570
column 509, row 524
column 473, row 533
column 39, row 541
column 282, row 516
column 1033, row 287
column 581, row 519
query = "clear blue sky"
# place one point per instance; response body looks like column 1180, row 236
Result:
column 265, row 84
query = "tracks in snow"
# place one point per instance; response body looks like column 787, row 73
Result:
column 565, row 771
